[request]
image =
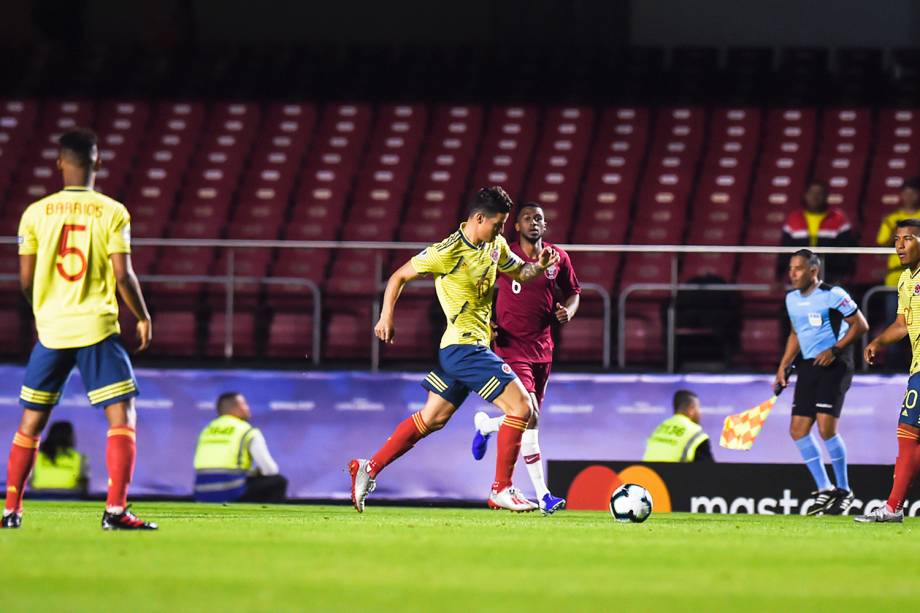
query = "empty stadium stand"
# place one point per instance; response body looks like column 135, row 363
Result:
column 634, row 168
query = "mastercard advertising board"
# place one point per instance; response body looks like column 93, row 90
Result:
column 766, row 489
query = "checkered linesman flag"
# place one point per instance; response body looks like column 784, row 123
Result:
column 741, row 429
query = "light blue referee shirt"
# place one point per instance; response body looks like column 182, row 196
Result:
column 818, row 318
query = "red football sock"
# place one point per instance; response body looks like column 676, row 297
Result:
column 509, row 445
column 410, row 431
column 119, row 459
column 22, row 459
column 906, row 465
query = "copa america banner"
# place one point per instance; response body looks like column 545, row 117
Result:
column 315, row 421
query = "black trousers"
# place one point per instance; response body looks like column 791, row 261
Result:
column 265, row 489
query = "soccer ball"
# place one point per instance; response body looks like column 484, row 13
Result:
column 631, row 503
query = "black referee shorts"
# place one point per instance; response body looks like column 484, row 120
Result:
column 821, row 389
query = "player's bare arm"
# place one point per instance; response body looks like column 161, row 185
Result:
column 27, row 276
column 792, row 350
column 892, row 334
column 129, row 288
column 531, row 270
column 384, row 330
column 858, row 327
column 565, row 313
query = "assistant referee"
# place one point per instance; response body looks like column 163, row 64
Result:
column 825, row 322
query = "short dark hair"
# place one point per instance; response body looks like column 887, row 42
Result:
column 226, row 401
column 527, row 205
column 911, row 183
column 809, row 256
column 819, row 182
column 911, row 222
column 78, row 144
column 683, row 399
column 490, row 201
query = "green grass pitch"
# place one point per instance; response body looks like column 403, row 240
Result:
column 327, row 558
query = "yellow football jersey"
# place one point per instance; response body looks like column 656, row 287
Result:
column 908, row 293
column 72, row 234
column 464, row 279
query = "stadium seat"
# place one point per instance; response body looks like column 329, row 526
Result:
column 348, row 331
column 710, row 264
column 761, row 343
column 290, row 336
column 581, row 340
column 645, row 340
column 757, row 269
column 419, row 323
column 244, row 335
column 176, row 334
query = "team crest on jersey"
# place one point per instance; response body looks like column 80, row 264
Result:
column 917, row 289
column 506, row 369
column 494, row 255
column 551, row 272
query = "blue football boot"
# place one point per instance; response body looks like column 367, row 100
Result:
column 549, row 504
column 480, row 440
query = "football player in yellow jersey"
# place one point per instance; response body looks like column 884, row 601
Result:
column 74, row 251
column 464, row 266
column 907, row 323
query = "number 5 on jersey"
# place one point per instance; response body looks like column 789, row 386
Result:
column 64, row 251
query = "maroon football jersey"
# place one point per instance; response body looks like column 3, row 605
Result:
column 525, row 312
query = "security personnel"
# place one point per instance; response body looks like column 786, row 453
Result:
column 232, row 462
column 680, row 438
column 60, row 470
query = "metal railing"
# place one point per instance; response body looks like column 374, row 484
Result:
column 230, row 281
column 670, row 335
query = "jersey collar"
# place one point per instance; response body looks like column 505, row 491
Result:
column 77, row 188
column 466, row 240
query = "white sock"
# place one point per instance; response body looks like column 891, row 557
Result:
column 115, row 510
column 492, row 424
column 530, row 451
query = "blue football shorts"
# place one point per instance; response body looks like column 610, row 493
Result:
column 468, row 368
column 105, row 368
column 910, row 407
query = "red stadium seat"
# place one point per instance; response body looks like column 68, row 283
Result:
column 176, row 334
column 348, row 333
column 355, row 272
column 759, row 269
column 290, row 335
column 309, row 264
column 644, row 339
column 598, row 268
column 761, row 342
column 244, row 340
column 581, row 341
column 419, row 324
column 710, row 264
